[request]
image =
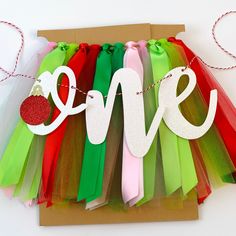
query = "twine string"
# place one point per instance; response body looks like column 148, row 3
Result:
column 15, row 75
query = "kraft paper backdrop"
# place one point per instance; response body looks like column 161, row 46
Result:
column 156, row 210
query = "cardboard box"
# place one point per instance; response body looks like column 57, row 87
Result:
column 160, row 208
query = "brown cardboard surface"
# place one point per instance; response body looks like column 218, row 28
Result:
column 75, row 214
column 112, row 34
column 160, row 208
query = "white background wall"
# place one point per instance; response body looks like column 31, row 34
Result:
column 217, row 215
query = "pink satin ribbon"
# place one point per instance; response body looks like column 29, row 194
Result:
column 132, row 167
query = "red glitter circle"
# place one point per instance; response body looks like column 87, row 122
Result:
column 35, row 110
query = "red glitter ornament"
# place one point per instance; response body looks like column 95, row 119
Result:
column 36, row 108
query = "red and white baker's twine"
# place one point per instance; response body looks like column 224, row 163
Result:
column 13, row 74
column 219, row 45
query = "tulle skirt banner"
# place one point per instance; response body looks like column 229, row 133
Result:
column 64, row 166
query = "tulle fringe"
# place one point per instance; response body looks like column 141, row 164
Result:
column 211, row 158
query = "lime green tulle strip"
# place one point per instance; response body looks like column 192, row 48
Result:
column 16, row 155
column 213, row 150
column 178, row 165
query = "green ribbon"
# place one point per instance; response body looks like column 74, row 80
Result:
column 91, row 180
column 15, row 157
column 114, row 135
column 188, row 172
column 149, row 161
column 178, row 165
column 214, row 153
column 37, row 147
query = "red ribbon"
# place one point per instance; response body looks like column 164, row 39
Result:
column 83, row 65
column 226, row 112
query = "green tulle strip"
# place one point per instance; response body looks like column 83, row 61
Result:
column 17, row 164
column 211, row 146
column 178, row 166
